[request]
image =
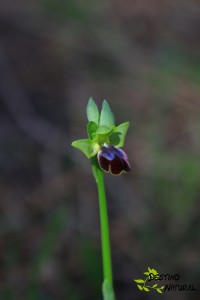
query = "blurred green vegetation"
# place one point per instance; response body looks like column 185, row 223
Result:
column 67, row 10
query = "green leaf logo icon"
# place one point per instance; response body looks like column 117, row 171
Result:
column 143, row 284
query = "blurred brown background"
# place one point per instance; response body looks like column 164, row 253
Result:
column 144, row 58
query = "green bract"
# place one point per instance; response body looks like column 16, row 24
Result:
column 101, row 129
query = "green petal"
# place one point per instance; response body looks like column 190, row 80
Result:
column 92, row 111
column 103, row 130
column 91, row 128
column 106, row 117
column 86, row 146
column 117, row 138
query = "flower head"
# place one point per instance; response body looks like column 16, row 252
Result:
column 105, row 139
column 113, row 160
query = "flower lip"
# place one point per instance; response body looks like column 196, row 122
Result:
column 113, row 160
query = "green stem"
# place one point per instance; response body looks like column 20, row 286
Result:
column 108, row 291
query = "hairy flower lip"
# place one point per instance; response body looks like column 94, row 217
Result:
column 113, row 160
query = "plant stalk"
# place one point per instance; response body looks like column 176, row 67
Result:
column 107, row 288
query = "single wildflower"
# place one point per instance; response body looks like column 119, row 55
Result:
column 103, row 148
column 113, row 160
column 105, row 140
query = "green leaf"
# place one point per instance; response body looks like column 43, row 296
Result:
column 139, row 280
column 162, row 287
column 117, row 138
column 140, row 287
column 86, row 146
column 106, row 117
column 91, row 128
column 146, row 289
column 146, row 273
column 154, row 272
column 155, row 285
column 159, row 291
column 149, row 269
column 92, row 111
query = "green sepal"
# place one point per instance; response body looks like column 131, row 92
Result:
column 86, row 146
column 91, row 128
column 92, row 111
column 117, row 138
column 106, row 117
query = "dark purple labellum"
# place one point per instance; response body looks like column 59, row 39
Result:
column 113, row 160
